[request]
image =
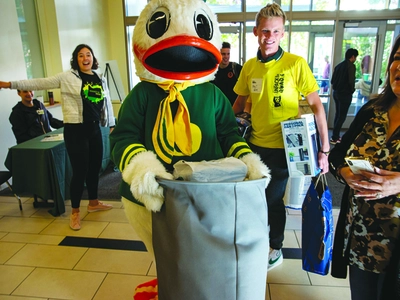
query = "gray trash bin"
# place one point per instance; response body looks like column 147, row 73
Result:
column 211, row 241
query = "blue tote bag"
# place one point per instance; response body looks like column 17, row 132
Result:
column 317, row 227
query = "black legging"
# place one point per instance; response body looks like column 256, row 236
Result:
column 85, row 150
column 365, row 285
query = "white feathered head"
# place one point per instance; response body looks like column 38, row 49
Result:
column 177, row 40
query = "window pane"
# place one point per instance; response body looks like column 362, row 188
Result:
column 251, row 46
column 365, row 4
column 230, row 34
column 30, row 38
column 299, row 44
column 364, row 39
column 324, row 23
column 321, row 64
column 134, row 7
column 225, row 6
column 386, row 53
column 285, row 40
column 315, row 5
column 313, row 40
column 256, row 5
column 394, row 4
column 31, row 45
column 251, row 41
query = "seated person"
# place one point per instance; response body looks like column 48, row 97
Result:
column 30, row 118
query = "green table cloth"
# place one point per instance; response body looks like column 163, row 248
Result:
column 43, row 168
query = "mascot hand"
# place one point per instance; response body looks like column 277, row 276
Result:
column 256, row 169
column 141, row 175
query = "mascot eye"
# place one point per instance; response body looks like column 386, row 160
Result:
column 203, row 25
column 158, row 23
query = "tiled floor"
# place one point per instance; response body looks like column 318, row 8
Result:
column 34, row 266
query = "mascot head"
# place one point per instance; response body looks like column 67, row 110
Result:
column 177, row 40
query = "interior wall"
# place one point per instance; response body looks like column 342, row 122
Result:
column 117, row 41
column 82, row 22
column 63, row 24
column 12, row 68
column 102, row 29
column 100, row 24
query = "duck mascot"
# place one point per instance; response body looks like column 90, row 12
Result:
column 174, row 114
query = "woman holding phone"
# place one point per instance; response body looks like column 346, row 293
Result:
column 368, row 228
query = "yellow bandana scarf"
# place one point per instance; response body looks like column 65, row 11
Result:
column 168, row 132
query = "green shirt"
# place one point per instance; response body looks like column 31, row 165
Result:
column 210, row 112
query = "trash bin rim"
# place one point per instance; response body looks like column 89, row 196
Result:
column 183, row 182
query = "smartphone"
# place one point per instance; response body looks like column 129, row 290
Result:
column 358, row 164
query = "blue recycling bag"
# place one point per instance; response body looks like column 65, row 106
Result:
column 317, row 227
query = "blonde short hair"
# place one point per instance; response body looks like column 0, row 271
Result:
column 269, row 11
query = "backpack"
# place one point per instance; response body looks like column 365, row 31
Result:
column 234, row 66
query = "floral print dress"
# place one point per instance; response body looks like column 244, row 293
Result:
column 373, row 226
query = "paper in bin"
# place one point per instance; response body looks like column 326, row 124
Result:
column 221, row 170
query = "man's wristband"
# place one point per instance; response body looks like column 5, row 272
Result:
column 323, row 152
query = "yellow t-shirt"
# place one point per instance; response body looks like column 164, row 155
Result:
column 275, row 88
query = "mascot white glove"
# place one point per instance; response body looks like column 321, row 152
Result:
column 141, row 175
column 256, row 169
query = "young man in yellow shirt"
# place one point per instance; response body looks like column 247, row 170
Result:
column 276, row 80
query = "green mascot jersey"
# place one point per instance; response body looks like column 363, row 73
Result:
column 216, row 135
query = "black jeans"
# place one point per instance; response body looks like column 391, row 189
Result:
column 275, row 160
column 85, row 151
column 342, row 104
column 365, row 285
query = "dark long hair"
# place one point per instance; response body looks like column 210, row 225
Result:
column 387, row 97
column 74, row 59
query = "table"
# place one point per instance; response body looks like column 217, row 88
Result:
column 43, row 168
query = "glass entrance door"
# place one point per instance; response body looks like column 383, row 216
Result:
column 368, row 38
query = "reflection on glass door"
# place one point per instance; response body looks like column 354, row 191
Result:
column 322, row 67
column 365, row 41
column 368, row 38
column 313, row 41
